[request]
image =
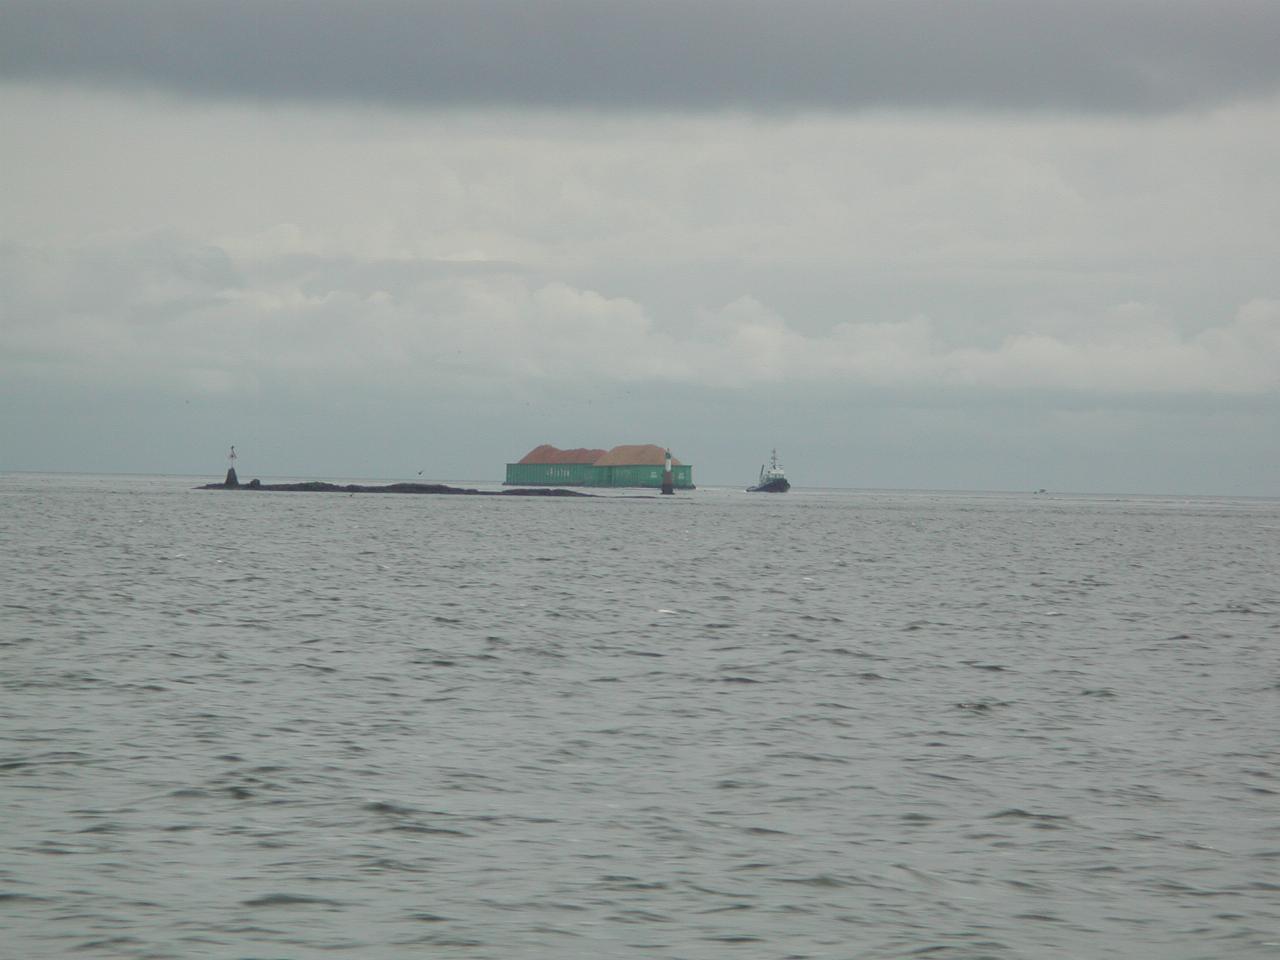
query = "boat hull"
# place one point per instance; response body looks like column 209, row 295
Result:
column 773, row 486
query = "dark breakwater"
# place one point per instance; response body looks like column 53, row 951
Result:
column 319, row 486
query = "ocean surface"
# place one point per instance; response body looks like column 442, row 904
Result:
column 837, row 724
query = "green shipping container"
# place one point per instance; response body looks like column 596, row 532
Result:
column 588, row 475
column 549, row 474
column 642, row 476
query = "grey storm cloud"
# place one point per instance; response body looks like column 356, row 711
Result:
column 1113, row 56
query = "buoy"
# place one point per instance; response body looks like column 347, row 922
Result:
column 668, row 482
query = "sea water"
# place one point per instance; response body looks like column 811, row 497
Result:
column 837, row 724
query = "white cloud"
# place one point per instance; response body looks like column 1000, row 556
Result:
column 237, row 253
column 973, row 197
column 190, row 315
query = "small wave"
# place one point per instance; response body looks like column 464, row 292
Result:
column 422, row 828
column 291, row 900
column 1017, row 813
column 824, row 880
column 917, row 818
column 392, row 809
column 110, row 943
column 981, row 706
column 624, row 882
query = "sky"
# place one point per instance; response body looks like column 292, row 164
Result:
column 930, row 245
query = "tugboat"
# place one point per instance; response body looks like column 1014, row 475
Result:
column 772, row 479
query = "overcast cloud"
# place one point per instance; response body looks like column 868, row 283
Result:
column 931, row 245
column 1083, row 55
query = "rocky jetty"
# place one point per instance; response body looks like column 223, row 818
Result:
column 318, row 486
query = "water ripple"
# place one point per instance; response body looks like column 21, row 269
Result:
column 826, row 724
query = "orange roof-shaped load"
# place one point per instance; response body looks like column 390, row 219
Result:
column 636, row 455
column 549, row 454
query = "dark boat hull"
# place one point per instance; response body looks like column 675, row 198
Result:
column 773, row 486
